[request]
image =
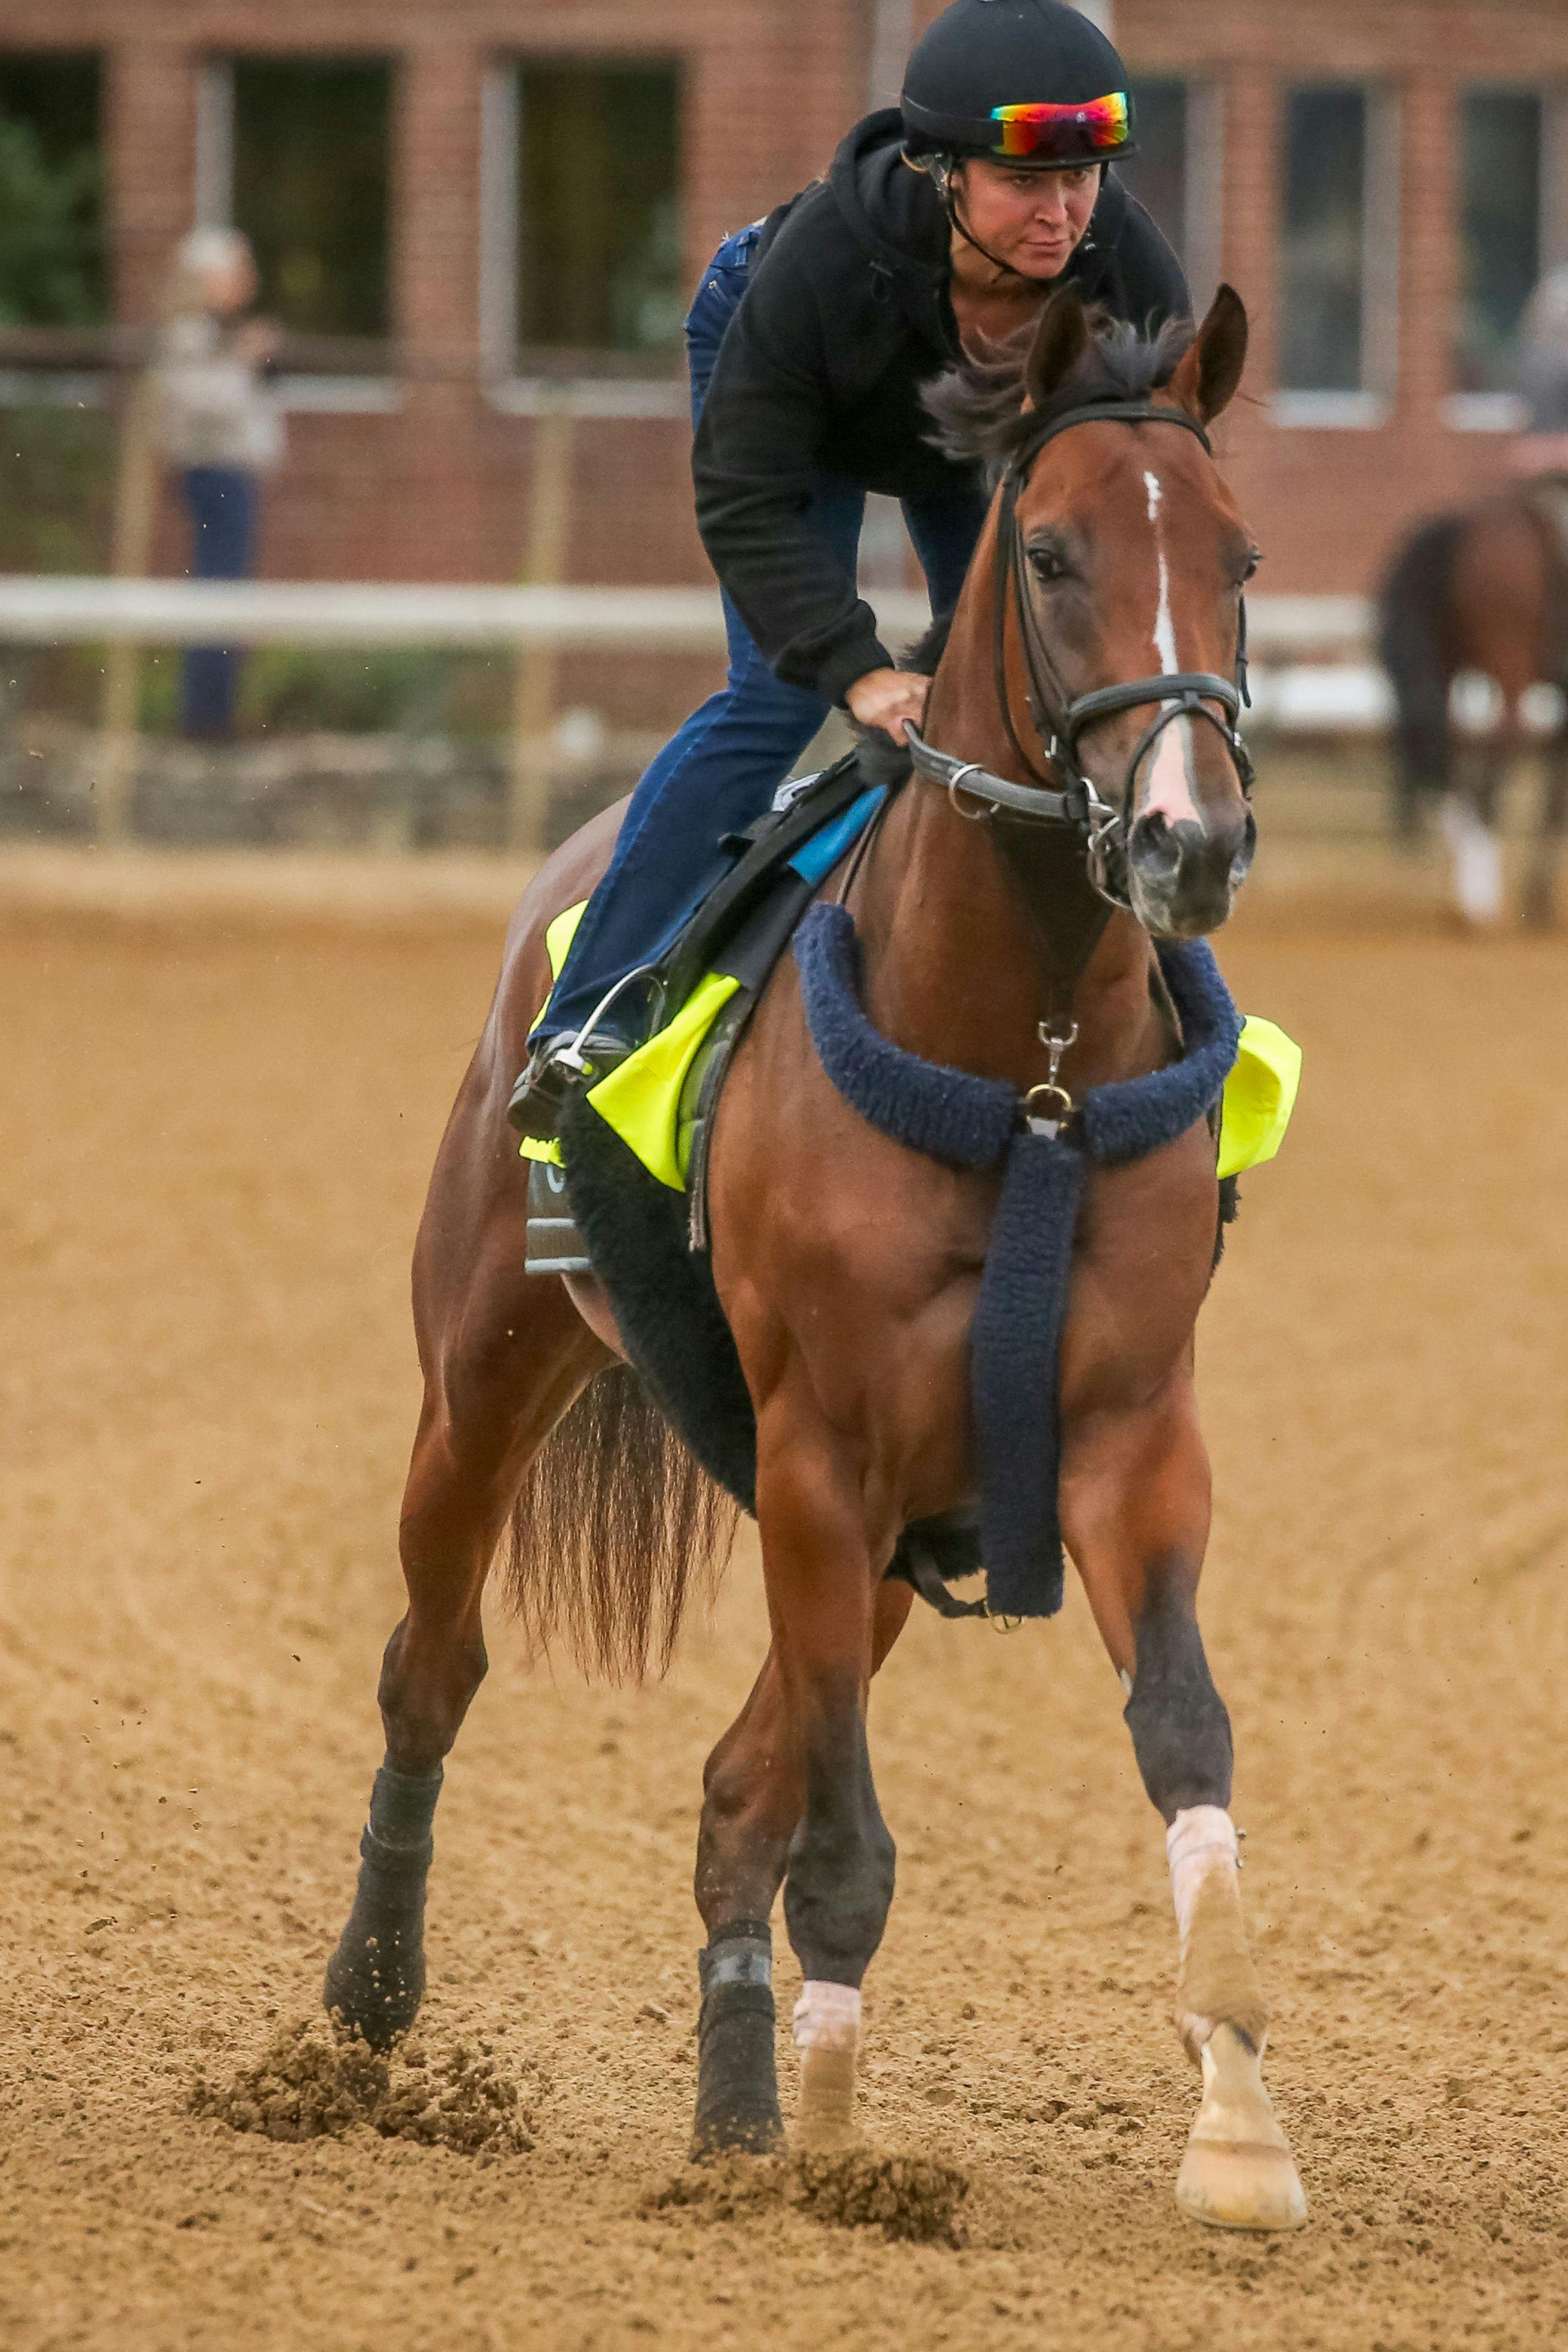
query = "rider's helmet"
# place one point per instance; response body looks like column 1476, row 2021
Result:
column 1025, row 82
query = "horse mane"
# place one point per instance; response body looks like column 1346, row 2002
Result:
column 980, row 407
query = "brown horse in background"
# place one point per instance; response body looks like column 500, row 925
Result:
column 848, row 1268
column 1482, row 591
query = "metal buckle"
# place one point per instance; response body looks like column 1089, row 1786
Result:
column 955, row 785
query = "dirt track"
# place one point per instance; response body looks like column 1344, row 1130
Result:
column 215, row 1133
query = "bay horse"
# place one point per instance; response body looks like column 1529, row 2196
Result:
column 848, row 1266
column 1481, row 591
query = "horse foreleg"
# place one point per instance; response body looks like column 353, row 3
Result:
column 1135, row 1511
column 754, row 1794
column 504, row 1355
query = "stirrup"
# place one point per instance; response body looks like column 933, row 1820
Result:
column 555, row 1069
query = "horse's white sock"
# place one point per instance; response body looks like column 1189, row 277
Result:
column 1218, row 1981
column 828, row 2016
column 1201, row 1838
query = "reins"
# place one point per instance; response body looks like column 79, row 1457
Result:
column 1058, row 719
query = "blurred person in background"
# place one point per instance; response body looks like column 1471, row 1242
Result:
column 219, row 426
column 938, row 232
column 1543, row 378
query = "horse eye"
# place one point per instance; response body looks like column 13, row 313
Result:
column 1047, row 564
column 1254, row 558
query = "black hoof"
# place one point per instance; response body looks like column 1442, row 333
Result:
column 737, row 2077
column 375, row 1979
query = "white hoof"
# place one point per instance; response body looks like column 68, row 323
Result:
column 1478, row 863
column 1238, row 2172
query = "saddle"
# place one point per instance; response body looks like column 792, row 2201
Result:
column 660, row 1099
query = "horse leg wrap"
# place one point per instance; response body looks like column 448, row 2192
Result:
column 375, row 1979
column 737, row 2070
column 828, row 2035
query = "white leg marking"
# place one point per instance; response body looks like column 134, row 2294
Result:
column 828, row 2035
column 1170, row 785
column 1238, row 2172
column 1202, row 1838
column 1477, row 861
column 828, row 2016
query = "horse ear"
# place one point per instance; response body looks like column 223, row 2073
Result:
column 1060, row 341
column 1210, row 368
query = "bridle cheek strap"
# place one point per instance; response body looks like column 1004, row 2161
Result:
column 1060, row 718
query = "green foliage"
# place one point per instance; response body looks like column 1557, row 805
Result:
column 291, row 689
column 57, row 489
column 51, row 247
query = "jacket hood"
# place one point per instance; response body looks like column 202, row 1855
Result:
column 894, row 211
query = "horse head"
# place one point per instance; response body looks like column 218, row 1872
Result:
column 1122, row 542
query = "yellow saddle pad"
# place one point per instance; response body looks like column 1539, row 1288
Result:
column 641, row 1100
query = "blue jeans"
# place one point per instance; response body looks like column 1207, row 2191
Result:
column 221, row 502
column 719, row 771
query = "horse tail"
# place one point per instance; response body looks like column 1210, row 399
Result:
column 615, row 1522
column 1412, row 645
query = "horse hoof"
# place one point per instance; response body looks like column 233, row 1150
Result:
column 825, row 2121
column 714, row 2137
column 1238, row 2172
column 377, row 1998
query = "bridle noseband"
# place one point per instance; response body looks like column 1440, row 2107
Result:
column 1060, row 718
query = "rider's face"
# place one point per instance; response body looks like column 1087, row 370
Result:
column 1031, row 220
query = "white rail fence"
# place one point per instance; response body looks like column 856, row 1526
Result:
column 1313, row 672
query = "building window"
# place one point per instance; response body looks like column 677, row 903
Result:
column 1337, row 323
column 1501, row 144
column 583, row 272
column 1175, row 171
column 296, row 152
column 53, row 264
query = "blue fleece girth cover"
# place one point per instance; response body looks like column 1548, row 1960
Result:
column 972, row 1122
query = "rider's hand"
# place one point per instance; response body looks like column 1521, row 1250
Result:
column 886, row 697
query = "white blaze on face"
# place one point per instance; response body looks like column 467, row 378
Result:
column 1168, row 785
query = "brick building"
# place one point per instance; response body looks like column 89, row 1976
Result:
column 472, row 210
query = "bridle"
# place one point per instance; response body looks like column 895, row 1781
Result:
column 1059, row 719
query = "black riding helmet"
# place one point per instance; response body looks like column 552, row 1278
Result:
column 1030, row 83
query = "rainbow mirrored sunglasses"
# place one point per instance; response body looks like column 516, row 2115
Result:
column 1063, row 135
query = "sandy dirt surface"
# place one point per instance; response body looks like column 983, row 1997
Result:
column 216, row 1134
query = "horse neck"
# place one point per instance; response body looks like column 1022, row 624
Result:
column 960, row 965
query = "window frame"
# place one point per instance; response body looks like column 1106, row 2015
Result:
column 511, row 388
column 313, row 391
column 1369, row 405
column 1505, row 412
column 1203, row 180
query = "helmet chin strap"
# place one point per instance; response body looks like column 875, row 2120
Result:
column 950, row 206
column 957, row 221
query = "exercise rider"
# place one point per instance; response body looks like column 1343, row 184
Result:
column 811, row 336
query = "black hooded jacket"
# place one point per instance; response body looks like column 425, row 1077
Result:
column 847, row 315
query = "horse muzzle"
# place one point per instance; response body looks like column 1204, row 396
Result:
column 1183, row 878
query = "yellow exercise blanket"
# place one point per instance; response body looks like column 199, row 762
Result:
column 641, row 1100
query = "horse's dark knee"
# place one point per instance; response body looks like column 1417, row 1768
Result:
column 427, row 1683
column 1181, row 1732
column 840, row 1884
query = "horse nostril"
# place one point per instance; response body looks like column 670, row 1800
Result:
column 1154, row 847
